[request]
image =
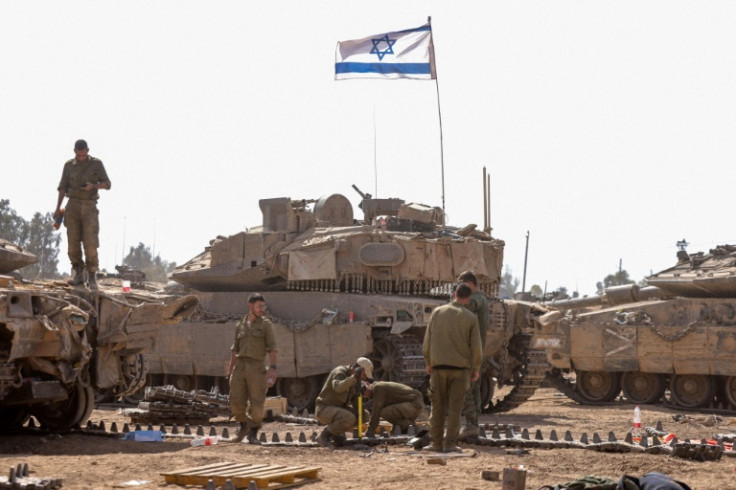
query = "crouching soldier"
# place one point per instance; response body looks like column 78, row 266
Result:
column 397, row 403
column 334, row 406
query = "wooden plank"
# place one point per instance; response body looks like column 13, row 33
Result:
column 241, row 474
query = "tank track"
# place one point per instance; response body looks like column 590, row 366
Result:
column 533, row 374
column 406, row 364
column 503, row 436
column 565, row 386
column 557, row 380
column 402, row 361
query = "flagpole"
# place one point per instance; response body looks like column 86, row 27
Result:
column 433, row 69
column 375, row 159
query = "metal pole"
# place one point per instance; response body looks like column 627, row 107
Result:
column 490, row 228
column 375, row 158
column 433, row 68
column 485, row 202
column 526, row 255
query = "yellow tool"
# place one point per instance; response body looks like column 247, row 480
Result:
column 360, row 415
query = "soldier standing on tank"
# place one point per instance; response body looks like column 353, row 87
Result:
column 335, row 403
column 397, row 403
column 247, row 372
column 452, row 353
column 478, row 304
column 81, row 178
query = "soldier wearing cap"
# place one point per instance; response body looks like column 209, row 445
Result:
column 397, row 403
column 452, row 353
column 334, row 406
column 254, row 338
column 81, row 178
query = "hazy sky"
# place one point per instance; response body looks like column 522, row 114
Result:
column 608, row 128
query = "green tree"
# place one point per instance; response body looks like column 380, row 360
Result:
column 37, row 236
column 559, row 293
column 11, row 225
column 42, row 239
column 509, row 284
column 536, row 291
column 154, row 268
column 618, row 278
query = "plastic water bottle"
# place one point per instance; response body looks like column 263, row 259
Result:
column 204, row 441
column 58, row 221
column 636, row 423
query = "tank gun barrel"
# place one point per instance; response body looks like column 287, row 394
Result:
column 612, row 296
column 362, row 194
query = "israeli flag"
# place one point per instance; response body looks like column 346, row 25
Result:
column 401, row 54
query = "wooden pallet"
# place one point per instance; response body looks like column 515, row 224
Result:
column 241, row 474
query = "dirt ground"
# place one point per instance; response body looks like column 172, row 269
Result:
column 86, row 461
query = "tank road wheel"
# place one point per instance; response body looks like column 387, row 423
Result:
column 300, row 393
column 642, row 388
column 70, row 412
column 729, row 389
column 384, row 358
column 691, row 390
column 598, row 386
column 182, row 382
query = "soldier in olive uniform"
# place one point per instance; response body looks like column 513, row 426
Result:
column 254, row 338
column 81, row 178
column 478, row 304
column 397, row 403
column 452, row 353
column 335, row 403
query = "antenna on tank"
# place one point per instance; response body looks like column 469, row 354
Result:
column 122, row 258
column 526, row 255
column 486, row 201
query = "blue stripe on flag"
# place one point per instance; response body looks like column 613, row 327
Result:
column 416, row 29
column 383, row 68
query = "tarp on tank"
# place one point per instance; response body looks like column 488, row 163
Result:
column 312, row 264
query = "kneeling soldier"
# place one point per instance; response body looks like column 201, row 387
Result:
column 397, row 403
column 334, row 405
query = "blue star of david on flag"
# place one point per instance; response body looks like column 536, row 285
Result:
column 389, row 46
column 411, row 56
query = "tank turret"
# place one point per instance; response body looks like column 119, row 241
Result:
column 317, row 245
column 700, row 275
column 13, row 257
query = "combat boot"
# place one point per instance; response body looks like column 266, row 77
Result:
column 92, row 281
column 324, row 438
column 78, row 277
column 339, row 440
column 242, row 432
column 469, row 432
column 253, row 437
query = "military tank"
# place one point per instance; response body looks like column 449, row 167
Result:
column 673, row 341
column 59, row 345
column 338, row 288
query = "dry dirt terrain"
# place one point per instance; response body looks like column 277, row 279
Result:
column 86, row 461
